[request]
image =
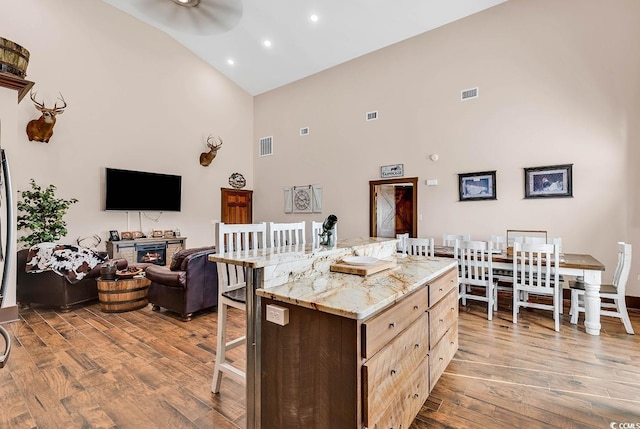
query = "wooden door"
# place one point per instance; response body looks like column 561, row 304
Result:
column 393, row 207
column 403, row 209
column 236, row 206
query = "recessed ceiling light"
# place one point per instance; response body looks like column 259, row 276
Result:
column 187, row 3
column 230, row 61
column 267, row 43
column 314, row 18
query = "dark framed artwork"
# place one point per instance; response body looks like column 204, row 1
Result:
column 114, row 236
column 477, row 186
column 552, row 181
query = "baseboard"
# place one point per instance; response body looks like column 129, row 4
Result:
column 9, row 314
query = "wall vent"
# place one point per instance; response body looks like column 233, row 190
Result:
column 266, row 146
column 372, row 116
column 304, row 131
column 468, row 94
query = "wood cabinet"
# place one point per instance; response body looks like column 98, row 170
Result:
column 129, row 249
column 371, row 373
column 236, row 205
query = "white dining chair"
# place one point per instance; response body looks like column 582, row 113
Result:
column 499, row 243
column 286, row 234
column 612, row 296
column 401, row 247
column 449, row 240
column 232, row 291
column 420, row 246
column 316, row 232
column 452, row 240
column 535, row 272
column 475, row 269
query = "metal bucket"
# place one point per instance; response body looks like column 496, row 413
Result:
column 14, row 58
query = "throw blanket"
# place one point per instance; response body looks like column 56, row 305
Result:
column 72, row 262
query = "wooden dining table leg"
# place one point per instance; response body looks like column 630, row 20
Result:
column 592, row 281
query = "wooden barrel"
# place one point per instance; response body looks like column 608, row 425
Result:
column 121, row 295
column 13, row 58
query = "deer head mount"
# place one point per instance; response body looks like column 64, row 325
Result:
column 41, row 129
column 214, row 144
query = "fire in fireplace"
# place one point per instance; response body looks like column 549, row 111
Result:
column 152, row 253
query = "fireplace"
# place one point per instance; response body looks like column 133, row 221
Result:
column 152, row 253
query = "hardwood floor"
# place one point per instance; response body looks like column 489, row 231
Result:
column 142, row 369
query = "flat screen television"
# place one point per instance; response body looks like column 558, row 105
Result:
column 141, row 191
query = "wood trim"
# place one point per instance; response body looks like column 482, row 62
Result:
column 10, row 81
column 9, row 314
column 372, row 202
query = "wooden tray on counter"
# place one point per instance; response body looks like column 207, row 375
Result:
column 362, row 270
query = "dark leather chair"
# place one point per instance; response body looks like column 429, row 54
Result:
column 51, row 289
column 188, row 285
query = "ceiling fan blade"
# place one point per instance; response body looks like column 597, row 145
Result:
column 209, row 17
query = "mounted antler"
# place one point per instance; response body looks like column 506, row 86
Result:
column 41, row 129
column 214, row 144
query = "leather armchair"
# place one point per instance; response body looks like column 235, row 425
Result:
column 188, row 285
column 51, row 289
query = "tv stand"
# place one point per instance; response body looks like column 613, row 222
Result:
column 135, row 250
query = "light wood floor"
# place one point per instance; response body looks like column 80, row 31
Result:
column 142, row 369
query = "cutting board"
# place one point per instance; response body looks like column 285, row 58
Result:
column 362, row 270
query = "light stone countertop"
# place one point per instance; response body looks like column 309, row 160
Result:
column 358, row 297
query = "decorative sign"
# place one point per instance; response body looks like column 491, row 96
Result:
column 396, row 170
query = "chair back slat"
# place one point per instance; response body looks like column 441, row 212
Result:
column 419, row 246
column 535, row 267
column 623, row 266
column 450, row 239
column 287, row 234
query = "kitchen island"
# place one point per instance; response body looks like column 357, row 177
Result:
column 356, row 351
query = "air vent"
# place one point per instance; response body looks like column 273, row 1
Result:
column 468, row 94
column 372, row 116
column 304, row 131
column 266, row 146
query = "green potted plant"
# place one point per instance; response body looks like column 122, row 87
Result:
column 42, row 215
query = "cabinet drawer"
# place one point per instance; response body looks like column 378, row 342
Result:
column 379, row 330
column 442, row 316
column 442, row 285
column 390, row 370
column 407, row 403
column 442, row 354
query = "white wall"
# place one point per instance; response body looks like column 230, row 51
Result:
column 136, row 100
column 558, row 84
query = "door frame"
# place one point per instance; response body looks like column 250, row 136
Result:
column 373, row 227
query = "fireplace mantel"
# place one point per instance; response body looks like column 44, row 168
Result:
column 7, row 80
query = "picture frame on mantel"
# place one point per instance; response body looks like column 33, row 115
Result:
column 552, row 181
column 477, row 186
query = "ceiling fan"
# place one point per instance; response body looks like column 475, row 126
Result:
column 201, row 17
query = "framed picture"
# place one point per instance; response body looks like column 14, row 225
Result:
column 126, row 235
column 114, row 236
column 169, row 233
column 136, row 234
column 553, row 181
column 477, row 186
column 157, row 233
column 396, row 170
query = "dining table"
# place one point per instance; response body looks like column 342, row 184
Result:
column 583, row 266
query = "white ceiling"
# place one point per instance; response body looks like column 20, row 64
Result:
column 219, row 30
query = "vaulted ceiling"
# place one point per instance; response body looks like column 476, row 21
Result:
column 264, row 44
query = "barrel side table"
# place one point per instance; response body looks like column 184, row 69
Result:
column 120, row 295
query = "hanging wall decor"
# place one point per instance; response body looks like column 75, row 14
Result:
column 41, row 129
column 303, row 199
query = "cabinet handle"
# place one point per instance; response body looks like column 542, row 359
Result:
column 441, row 320
column 441, row 289
column 416, row 395
column 392, row 325
column 441, row 359
column 415, row 307
column 417, row 346
column 394, row 372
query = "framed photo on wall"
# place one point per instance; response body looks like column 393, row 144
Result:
column 477, row 186
column 553, row 181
